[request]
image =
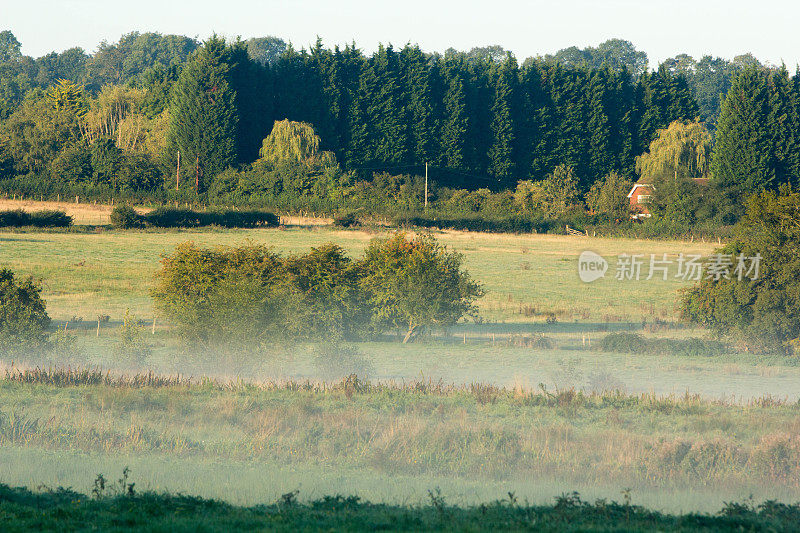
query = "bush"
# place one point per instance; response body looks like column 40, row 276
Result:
column 514, row 224
column 637, row 344
column 245, row 296
column 39, row 219
column 335, row 361
column 345, row 220
column 623, row 343
column 168, row 217
column 125, row 217
column 132, row 349
column 761, row 310
column 23, row 318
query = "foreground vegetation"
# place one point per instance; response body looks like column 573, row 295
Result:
column 418, row 429
column 64, row 509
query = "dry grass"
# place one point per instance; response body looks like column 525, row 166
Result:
column 83, row 214
column 417, row 429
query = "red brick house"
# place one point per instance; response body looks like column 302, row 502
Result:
column 640, row 196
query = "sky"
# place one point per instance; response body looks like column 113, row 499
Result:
column 767, row 28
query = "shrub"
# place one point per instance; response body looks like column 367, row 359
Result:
column 50, row 219
column 132, row 349
column 23, row 318
column 40, row 219
column 246, row 295
column 168, row 217
column 337, row 361
column 220, row 296
column 623, row 343
column 125, row 217
column 345, row 220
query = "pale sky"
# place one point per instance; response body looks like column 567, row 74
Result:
column 767, row 28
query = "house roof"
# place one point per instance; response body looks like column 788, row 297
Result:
column 638, row 185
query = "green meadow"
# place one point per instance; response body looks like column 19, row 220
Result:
column 520, row 400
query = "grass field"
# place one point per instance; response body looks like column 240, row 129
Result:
column 527, row 277
column 247, row 442
column 103, row 271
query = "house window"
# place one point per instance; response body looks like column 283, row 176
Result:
column 644, row 198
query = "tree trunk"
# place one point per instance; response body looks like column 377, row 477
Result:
column 411, row 333
column 414, row 331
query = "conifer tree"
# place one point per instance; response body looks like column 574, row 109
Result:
column 742, row 153
column 385, row 108
column 203, row 115
column 417, row 87
column 454, row 127
column 501, row 161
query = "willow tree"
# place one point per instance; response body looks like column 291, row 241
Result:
column 294, row 143
column 678, row 156
column 116, row 114
column 682, row 150
column 290, row 157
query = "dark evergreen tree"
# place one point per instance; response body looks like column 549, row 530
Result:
column 501, row 156
column 454, row 124
column 416, row 80
column 385, row 110
column 203, row 115
column 741, row 161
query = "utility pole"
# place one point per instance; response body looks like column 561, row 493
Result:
column 426, row 185
column 197, row 174
column 178, row 174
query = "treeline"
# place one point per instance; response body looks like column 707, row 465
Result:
column 481, row 121
column 261, row 124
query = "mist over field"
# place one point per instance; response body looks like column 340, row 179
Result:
column 526, row 396
column 249, row 285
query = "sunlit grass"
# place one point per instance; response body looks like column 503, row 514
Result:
column 107, row 272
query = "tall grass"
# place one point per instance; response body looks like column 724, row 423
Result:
column 413, row 428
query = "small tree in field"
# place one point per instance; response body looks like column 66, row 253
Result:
column 417, row 284
column 23, row 318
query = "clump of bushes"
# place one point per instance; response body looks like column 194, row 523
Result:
column 635, row 343
column 248, row 295
column 23, row 318
column 124, row 217
column 39, row 219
